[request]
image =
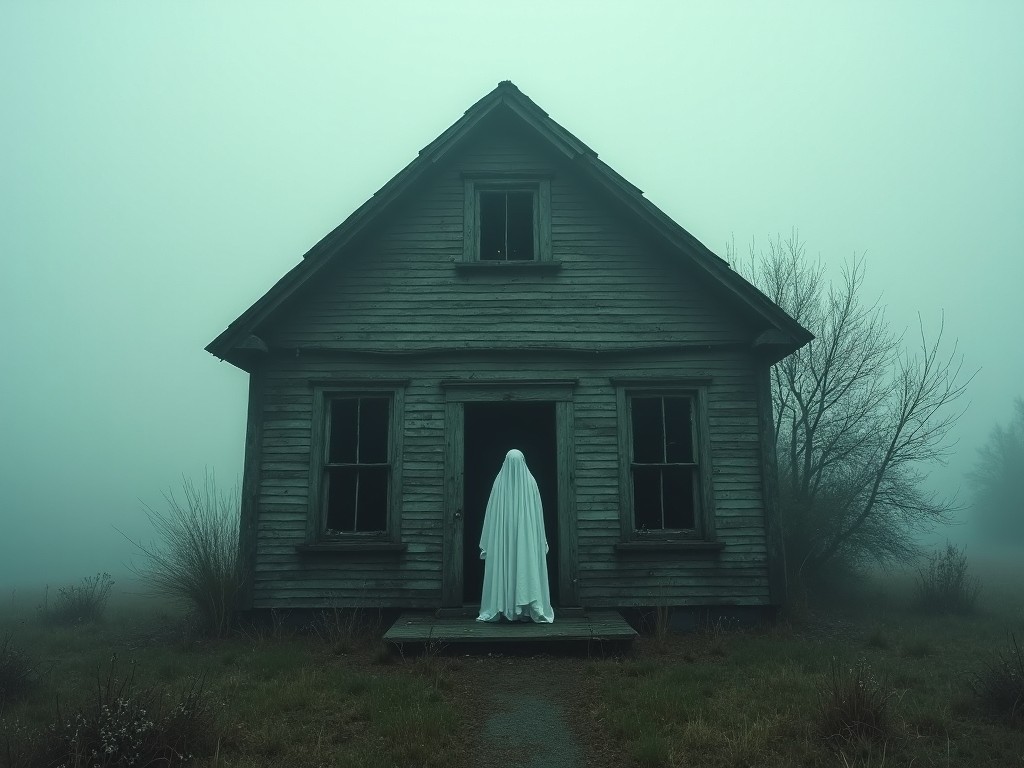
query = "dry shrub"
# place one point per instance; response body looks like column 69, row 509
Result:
column 853, row 705
column 944, row 585
column 1000, row 685
column 197, row 560
column 78, row 604
column 17, row 672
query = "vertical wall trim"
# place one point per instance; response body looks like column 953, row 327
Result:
column 249, row 508
column 452, row 525
column 777, row 586
column 568, row 554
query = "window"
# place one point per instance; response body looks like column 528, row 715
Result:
column 506, row 226
column 665, row 477
column 507, row 220
column 355, row 467
column 662, row 466
column 358, row 468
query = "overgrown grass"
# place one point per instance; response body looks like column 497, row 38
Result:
column 75, row 604
column 196, row 560
column 854, row 705
column 999, row 685
column 773, row 698
column 944, row 584
column 281, row 698
column 719, row 697
column 17, row 672
column 122, row 724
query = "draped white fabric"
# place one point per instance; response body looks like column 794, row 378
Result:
column 513, row 547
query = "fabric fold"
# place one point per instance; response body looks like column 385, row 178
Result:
column 514, row 548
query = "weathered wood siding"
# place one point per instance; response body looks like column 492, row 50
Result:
column 399, row 290
column 735, row 575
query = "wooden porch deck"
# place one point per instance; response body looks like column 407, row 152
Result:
column 599, row 626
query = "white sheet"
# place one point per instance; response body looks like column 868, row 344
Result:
column 514, row 547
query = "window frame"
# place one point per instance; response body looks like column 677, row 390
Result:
column 316, row 517
column 703, row 535
column 537, row 184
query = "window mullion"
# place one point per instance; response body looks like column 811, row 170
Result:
column 661, row 489
column 506, row 227
column 359, row 425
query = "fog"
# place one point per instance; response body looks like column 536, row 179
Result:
column 161, row 166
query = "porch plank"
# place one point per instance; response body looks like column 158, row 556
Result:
column 413, row 627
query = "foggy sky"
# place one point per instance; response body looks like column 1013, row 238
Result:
column 161, row 166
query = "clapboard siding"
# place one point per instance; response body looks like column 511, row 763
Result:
column 400, row 288
column 736, row 575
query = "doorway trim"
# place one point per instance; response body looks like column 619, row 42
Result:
column 458, row 392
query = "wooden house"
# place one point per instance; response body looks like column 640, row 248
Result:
column 509, row 289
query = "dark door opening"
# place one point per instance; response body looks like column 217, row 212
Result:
column 492, row 430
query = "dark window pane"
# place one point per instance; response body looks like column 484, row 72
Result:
column 678, row 426
column 344, row 414
column 679, row 497
column 648, row 442
column 647, row 498
column 341, row 499
column 373, row 430
column 373, row 499
column 520, row 225
column 492, row 226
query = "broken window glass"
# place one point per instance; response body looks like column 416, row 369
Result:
column 506, row 226
column 663, row 465
column 358, row 465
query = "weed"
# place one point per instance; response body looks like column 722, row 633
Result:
column 662, row 622
column 17, row 672
column 878, row 640
column 1000, row 684
column 651, row 751
column 918, row 648
column 346, row 630
column 123, row 725
column 384, row 654
column 853, row 705
column 943, row 584
column 78, row 604
column 197, row 562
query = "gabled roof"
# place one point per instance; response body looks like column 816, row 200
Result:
column 786, row 335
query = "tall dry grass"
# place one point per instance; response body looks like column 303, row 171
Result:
column 196, row 560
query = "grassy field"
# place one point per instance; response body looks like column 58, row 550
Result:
column 717, row 697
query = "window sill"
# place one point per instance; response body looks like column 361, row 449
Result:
column 355, row 547
column 496, row 267
column 668, row 545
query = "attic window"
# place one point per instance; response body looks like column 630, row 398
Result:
column 506, row 226
column 507, row 222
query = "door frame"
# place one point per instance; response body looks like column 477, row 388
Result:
column 458, row 392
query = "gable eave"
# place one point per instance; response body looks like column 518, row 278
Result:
column 505, row 95
column 685, row 244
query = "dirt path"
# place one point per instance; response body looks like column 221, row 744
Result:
column 532, row 712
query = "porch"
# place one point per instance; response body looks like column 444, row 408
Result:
column 593, row 626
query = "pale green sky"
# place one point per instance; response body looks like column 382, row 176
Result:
column 162, row 165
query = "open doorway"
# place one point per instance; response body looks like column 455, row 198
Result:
column 491, row 431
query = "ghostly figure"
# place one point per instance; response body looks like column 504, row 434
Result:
column 513, row 547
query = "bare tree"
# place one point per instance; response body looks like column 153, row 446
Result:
column 858, row 415
column 998, row 481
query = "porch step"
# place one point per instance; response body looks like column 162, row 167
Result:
column 427, row 628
